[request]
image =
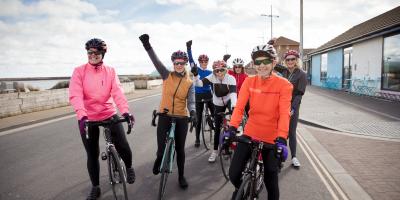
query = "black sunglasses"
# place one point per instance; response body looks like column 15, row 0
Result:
column 219, row 70
column 179, row 63
column 265, row 62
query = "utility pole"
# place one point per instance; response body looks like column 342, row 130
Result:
column 301, row 31
column 271, row 16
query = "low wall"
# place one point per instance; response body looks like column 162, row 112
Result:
column 21, row 102
column 148, row 84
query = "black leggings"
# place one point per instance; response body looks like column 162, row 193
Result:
column 93, row 150
column 292, row 132
column 242, row 155
column 218, row 122
column 199, row 109
column 181, row 128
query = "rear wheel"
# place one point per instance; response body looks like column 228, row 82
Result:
column 117, row 173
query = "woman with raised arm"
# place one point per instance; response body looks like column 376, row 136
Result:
column 177, row 97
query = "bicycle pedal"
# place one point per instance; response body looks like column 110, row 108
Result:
column 103, row 156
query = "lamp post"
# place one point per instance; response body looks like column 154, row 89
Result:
column 271, row 16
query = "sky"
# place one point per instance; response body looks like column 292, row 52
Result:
column 46, row 38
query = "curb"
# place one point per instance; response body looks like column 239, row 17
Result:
column 347, row 183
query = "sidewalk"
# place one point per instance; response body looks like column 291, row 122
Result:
column 35, row 117
column 364, row 142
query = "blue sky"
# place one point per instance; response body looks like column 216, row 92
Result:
column 46, row 38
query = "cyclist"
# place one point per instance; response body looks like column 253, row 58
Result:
column 224, row 96
column 177, row 94
column 269, row 96
column 238, row 72
column 94, row 88
column 298, row 78
column 201, row 93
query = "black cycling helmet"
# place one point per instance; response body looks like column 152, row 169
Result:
column 179, row 55
column 98, row 44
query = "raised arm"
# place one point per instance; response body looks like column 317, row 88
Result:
column 189, row 51
column 164, row 72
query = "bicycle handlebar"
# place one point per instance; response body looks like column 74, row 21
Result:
column 106, row 123
column 155, row 114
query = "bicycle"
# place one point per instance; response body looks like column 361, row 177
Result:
column 169, row 151
column 206, row 125
column 116, row 168
column 226, row 147
column 253, row 175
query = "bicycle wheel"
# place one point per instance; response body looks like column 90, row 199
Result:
column 225, row 158
column 164, row 170
column 117, row 174
column 245, row 189
column 259, row 179
column 207, row 131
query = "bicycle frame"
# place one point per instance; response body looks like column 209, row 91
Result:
column 171, row 138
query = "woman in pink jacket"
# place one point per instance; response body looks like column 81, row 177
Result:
column 93, row 89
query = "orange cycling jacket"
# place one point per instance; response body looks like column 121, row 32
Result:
column 269, row 107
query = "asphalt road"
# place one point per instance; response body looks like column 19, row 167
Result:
column 49, row 162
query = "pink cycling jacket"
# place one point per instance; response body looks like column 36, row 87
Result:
column 92, row 92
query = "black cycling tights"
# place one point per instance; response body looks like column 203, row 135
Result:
column 93, row 150
column 181, row 128
column 199, row 109
column 238, row 164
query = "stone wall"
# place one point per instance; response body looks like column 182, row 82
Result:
column 25, row 102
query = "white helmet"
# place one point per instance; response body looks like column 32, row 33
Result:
column 264, row 50
column 237, row 61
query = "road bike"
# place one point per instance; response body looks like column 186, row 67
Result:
column 116, row 167
column 169, row 151
column 226, row 146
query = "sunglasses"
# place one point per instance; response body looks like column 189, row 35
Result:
column 203, row 61
column 290, row 59
column 179, row 63
column 265, row 62
column 219, row 70
column 94, row 52
column 237, row 66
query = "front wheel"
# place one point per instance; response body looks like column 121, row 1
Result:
column 225, row 155
column 246, row 189
column 207, row 131
column 117, row 175
column 165, row 170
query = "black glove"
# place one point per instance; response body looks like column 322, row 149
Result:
column 145, row 41
column 130, row 120
column 194, row 70
column 189, row 44
column 226, row 57
column 193, row 117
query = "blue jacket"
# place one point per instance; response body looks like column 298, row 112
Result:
column 202, row 73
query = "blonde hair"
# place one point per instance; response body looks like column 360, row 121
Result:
column 297, row 64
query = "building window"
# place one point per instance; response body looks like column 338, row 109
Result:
column 324, row 66
column 391, row 63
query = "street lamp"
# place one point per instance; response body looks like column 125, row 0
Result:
column 271, row 16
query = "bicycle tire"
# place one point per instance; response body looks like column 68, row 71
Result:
column 165, row 171
column 259, row 179
column 115, row 170
column 245, row 189
column 206, row 131
column 225, row 161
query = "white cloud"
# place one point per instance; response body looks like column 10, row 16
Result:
column 47, row 38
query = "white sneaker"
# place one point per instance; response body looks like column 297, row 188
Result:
column 213, row 156
column 295, row 162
